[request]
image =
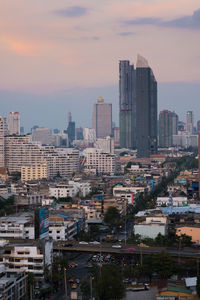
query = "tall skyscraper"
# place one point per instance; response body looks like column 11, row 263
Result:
column 165, row 128
column 174, row 123
column 127, row 105
column 198, row 126
column 146, row 109
column 70, row 129
column 3, row 133
column 102, row 118
column 190, row 122
column 14, row 123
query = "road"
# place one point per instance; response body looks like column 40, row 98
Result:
column 107, row 248
column 144, row 295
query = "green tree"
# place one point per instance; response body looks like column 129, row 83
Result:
column 198, row 286
column 110, row 284
column 85, row 290
column 163, row 265
column 112, row 216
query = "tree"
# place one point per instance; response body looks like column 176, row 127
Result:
column 110, row 284
column 198, row 286
column 85, row 290
column 112, row 216
column 163, row 265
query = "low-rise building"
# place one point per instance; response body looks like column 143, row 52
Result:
column 19, row 227
column 34, row 172
column 129, row 193
column 13, row 286
column 61, row 227
column 192, row 231
column 72, row 189
column 151, row 226
column 33, row 257
column 177, row 201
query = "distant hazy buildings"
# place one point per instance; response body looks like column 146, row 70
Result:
column 116, row 133
column 89, row 135
column 127, row 105
column 14, row 123
column 146, row 109
column 174, row 123
column 198, row 126
column 106, row 145
column 102, row 118
column 190, row 122
column 42, row 135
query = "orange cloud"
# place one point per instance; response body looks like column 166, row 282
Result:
column 22, row 48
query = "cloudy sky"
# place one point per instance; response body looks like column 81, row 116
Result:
column 62, row 53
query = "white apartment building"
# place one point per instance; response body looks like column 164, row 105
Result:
column 20, row 151
column 177, row 201
column 14, row 123
column 62, row 228
column 30, row 257
column 20, row 227
column 128, row 193
column 106, row 145
column 72, row 189
column 102, row 163
column 3, row 133
column 151, row 227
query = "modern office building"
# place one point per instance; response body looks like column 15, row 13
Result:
column 127, row 105
column 146, row 109
column 14, row 123
column 190, row 122
column 102, row 118
column 165, row 128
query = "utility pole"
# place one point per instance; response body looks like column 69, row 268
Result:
column 125, row 220
column 91, row 287
column 65, row 279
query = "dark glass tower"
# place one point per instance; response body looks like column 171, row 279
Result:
column 146, row 109
column 127, row 105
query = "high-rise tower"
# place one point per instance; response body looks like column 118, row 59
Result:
column 102, row 118
column 14, row 123
column 190, row 122
column 70, row 128
column 165, row 128
column 3, row 133
column 127, row 104
column 146, row 109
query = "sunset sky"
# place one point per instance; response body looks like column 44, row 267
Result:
column 48, row 46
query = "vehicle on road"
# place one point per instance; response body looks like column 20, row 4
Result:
column 68, row 245
column 73, row 265
column 142, row 245
column 95, row 243
column 116, row 246
column 130, row 249
column 83, row 243
column 71, row 280
column 74, row 286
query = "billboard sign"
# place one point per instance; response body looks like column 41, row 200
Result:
column 41, row 223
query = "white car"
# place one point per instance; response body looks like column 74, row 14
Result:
column 95, row 243
column 83, row 243
column 116, row 246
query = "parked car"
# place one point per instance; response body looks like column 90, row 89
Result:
column 74, row 286
column 116, row 246
column 83, row 243
column 95, row 243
